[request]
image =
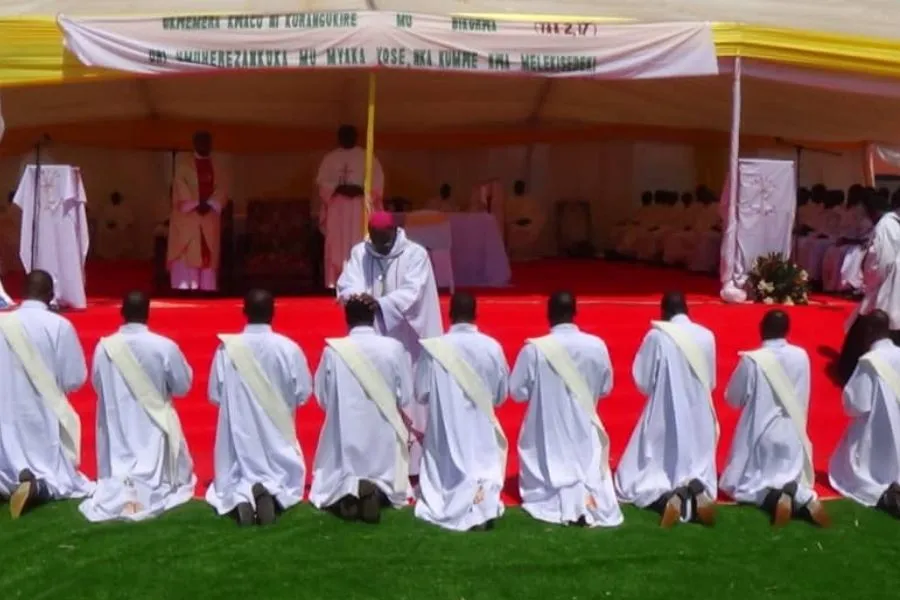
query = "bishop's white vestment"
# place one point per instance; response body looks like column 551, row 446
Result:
column 61, row 245
column 881, row 270
column 867, row 459
column 144, row 467
column 770, row 448
column 461, row 377
column 258, row 379
column 41, row 361
column 524, row 240
column 564, row 472
column 343, row 218
column 675, row 438
column 363, row 383
column 404, row 285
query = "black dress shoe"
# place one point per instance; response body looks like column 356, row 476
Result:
column 369, row 502
column 265, row 505
column 243, row 514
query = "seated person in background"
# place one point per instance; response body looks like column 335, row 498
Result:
column 669, row 464
column 257, row 380
column 865, row 466
column 620, row 229
column 825, row 232
column 704, row 256
column 144, row 465
column 564, row 473
column 461, row 377
column 362, row 383
column 678, row 244
column 651, row 245
column 41, row 361
column 115, row 224
column 770, row 463
column 652, row 217
column 842, row 264
column 525, row 219
column 442, row 202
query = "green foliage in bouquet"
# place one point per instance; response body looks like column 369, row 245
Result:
column 776, row 280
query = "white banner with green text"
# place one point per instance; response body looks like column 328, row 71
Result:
column 376, row 39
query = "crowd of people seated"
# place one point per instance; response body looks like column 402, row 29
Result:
column 831, row 231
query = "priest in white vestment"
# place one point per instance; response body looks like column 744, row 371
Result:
column 525, row 220
column 771, row 462
column 461, row 377
column 670, row 461
column 144, row 467
column 363, row 382
column 340, row 182
column 853, row 230
column 564, row 472
column 620, row 230
column 865, row 466
column 443, row 202
column 826, row 231
column 881, row 281
column 258, row 379
column 115, row 229
column 200, row 188
column 395, row 275
column 41, row 361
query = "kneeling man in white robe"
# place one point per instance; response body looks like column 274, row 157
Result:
column 258, row 379
column 394, row 275
column 461, row 377
column 865, row 465
column 670, row 461
column 41, row 361
column 363, row 382
column 143, row 463
column 564, row 474
column 771, row 461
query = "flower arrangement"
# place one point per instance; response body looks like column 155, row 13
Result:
column 777, row 280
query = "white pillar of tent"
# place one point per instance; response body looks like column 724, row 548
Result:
column 730, row 278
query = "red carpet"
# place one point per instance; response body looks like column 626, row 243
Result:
column 616, row 302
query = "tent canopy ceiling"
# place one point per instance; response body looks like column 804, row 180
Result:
column 427, row 102
column 875, row 18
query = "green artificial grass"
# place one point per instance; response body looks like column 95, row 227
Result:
column 189, row 553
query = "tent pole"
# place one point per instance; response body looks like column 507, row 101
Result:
column 728, row 268
column 370, row 152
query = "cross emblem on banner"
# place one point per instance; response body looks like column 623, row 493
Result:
column 766, row 188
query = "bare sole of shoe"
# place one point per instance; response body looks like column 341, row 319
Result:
column 706, row 512
column 783, row 509
column 19, row 499
column 818, row 515
column 671, row 513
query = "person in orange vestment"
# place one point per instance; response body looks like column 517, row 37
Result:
column 199, row 194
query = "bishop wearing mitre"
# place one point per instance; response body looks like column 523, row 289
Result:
column 199, row 195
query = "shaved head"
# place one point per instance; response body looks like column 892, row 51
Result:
column 39, row 286
column 775, row 325
column 259, row 307
column 136, row 307
column 561, row 308
column 878, row 326
column 673, row 304
column 462, row 308
column 359, row 313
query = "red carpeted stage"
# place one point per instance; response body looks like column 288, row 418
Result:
column 616, row 302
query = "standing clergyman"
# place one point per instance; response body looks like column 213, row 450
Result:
column 394, row 275
column 340, row 180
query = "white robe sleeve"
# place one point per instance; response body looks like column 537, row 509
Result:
column 737, row 394
column 324, row 374
column 859, row 391
column 422, row 385
column 396, row 304
column 646, row 364
column 301, row 380
column 70, row 360
column 501, row 391
column 179, row 375
column 606, row 374
column 352, row 280
column 521, row 381
column 217, row 377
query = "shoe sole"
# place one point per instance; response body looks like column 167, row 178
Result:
column 820, row 517
column 706, row 513
column 265, row 508
column 19, row 499
column 368, row 502
column 245, row 516
column 671, row 514
column 783, row 510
